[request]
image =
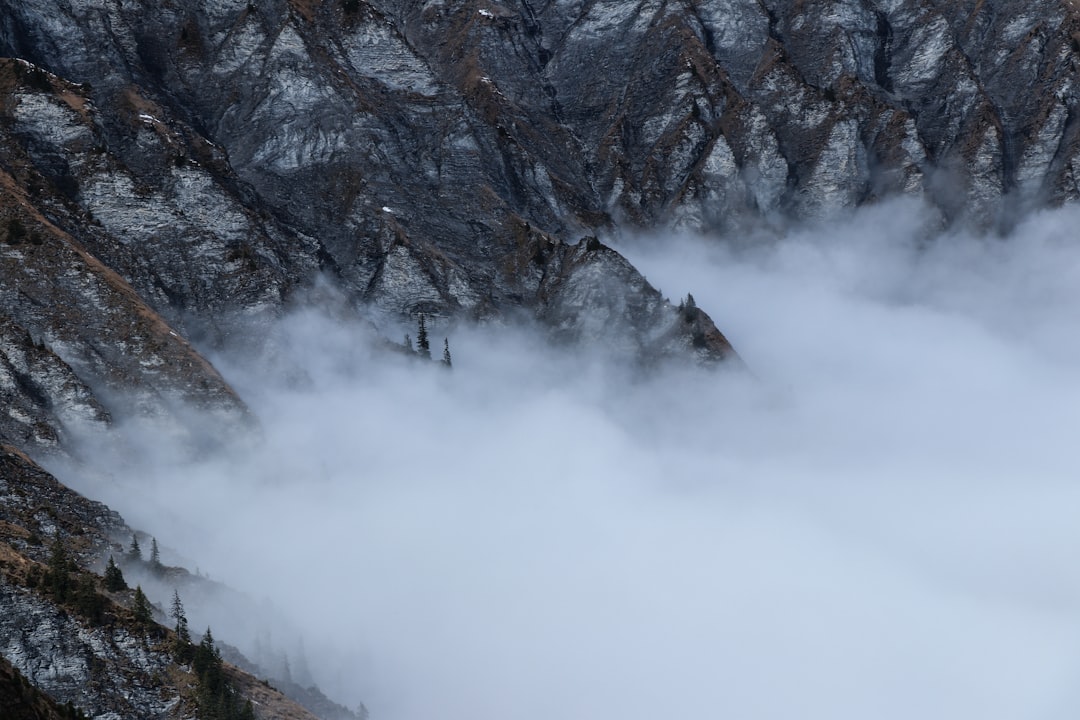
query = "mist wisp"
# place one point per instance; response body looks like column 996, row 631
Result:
column 880, row 522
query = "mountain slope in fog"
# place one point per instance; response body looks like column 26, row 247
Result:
column 171, row 173
column 438, row 157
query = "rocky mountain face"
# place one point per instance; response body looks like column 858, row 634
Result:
column 187, row 161
column 171, row 170
column 103, row 663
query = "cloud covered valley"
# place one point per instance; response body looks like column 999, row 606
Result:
column 877, row 520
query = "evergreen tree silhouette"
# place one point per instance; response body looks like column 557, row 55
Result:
column 423, row 347
column 58, row 578
column 144, row 614
column 446, row 353
column 182, row 649
column 114, row 578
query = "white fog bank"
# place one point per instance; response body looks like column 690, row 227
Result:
column 882, row 522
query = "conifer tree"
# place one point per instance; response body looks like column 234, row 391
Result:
column 114, row 578
column 180, row 617
column 423, row 347
column 144, row 614
column 446, row 353
column 155, row 555
column 408, row 344
column 89, row 603
column 182, row 648
column 204, row 656
column 688, row 308
column 216, row 697
column 135, row 552
column 58, row 579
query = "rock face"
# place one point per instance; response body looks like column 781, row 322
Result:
column 167, row 167
column 186, row 161
column 108, row 667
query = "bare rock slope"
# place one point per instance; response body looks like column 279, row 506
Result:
column 168, row 167
column 444, row 156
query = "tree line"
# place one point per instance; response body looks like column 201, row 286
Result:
column 70, row 587
column 423, row 344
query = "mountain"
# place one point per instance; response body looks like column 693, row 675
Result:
column 173, row 173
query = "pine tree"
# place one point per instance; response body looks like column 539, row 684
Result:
column 423, row 347
column 87, row 600
column 205, row 654
column 58, row 578
column 216, row 697
column 180, row 617
column 144, row 614
column 155, row 556
column 15, row 231
column 688, row 308
column 182, row 645
column 114, row 578
column 208, row 667
column 446, row 353
column 408, row 344
column 135, row 552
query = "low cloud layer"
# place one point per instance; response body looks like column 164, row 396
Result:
column 879, row 522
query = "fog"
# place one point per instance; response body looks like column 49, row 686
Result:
column 879, row 520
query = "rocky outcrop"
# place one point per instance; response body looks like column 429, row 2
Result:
column 125, row 232
column 40, row 392
column 166, row 168
column 227, row 152
column 109, row 666
column 103, row 671
column 221, row 156
column 21, row 700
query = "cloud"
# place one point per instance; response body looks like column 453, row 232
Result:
column 879, row 522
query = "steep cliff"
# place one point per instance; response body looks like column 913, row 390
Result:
column 169, row 170
column 220, row 156
column 87, row 648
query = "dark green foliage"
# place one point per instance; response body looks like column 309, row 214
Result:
column 182, row 650
column 20, row 700
column 66, row 584
column 144, row 614
column 423, row 347
column 16, row 232
column 58, row 576
column 114, row 578
column 134, row 551
column 217, row 699
column 155, row 556
column 688, row 308
column 446, row 360
column 350, row 6
column 88, row 602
